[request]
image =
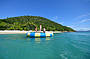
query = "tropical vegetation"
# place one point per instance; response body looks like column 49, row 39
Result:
column 30, row 22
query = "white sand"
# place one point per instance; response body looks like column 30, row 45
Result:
column 22, row 32
column 13, row 32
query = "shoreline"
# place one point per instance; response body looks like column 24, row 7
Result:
column 23, row 32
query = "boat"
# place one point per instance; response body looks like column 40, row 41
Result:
column 39, row 34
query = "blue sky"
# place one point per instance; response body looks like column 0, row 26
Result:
column 72, row 13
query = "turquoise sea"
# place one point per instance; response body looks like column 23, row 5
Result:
column 70, row 45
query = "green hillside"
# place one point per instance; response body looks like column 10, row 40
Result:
column 29, row 23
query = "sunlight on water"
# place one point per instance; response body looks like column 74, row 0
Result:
column 70, row 45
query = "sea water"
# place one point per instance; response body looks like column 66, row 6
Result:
column 69, row 45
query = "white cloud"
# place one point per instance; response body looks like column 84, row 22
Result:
column 56, row 18
column 82, row 16
column 61, row 22
column 85, row 20
column 68, row 26
column 84, row 29
column 82, row 19
column 77, row 26
column 80, row 22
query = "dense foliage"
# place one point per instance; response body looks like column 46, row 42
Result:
column 30, row 22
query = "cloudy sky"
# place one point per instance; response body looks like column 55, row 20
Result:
column 72, row 13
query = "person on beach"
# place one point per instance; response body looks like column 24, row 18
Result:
column 40, row 27
column 44, row 29
column 36, row 29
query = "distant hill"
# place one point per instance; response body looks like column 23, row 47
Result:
column 29, row 23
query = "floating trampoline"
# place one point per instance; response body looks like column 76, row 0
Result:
column 39, row 34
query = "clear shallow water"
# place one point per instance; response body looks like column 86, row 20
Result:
column 72, row 45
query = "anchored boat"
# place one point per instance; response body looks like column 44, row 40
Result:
column 39, row 34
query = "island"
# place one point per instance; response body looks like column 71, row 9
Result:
column 26, row 23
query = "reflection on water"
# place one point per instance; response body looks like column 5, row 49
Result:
column 38, row 40
column 71, row 45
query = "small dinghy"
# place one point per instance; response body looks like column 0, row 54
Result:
column 39, row 34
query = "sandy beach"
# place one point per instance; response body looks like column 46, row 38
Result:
column 22, row 32
column 13, row 32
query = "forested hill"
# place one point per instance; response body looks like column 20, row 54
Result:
column 29, row 23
